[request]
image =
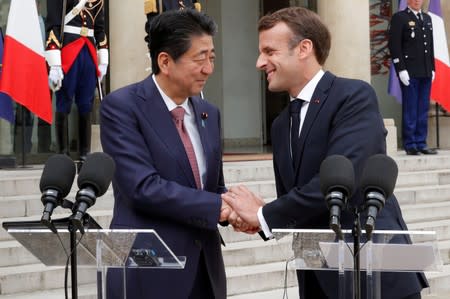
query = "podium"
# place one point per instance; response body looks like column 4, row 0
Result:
column 97, row 248
column 321, row 250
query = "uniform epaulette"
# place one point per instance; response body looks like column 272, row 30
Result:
column 150, row 6
column 198, row 6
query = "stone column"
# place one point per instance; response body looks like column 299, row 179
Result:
column 128, row 60
column 348, row 22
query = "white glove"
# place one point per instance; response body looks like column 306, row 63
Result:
column 102, row 68
column 103, row 58
column 404, row 77
column 432, row 75
column 55, row 77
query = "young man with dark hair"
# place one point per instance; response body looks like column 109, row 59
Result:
column 328, row 115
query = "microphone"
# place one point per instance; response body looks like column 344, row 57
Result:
column 56, row 182
column 93, row 181
column 337, row 182
column 377, row 183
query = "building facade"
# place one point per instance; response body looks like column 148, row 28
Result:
column 359, row 50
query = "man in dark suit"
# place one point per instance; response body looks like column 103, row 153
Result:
column 166, row 144
column 412, row 52
column 337, row 116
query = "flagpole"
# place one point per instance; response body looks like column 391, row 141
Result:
column 437, row 125
column 23, row 135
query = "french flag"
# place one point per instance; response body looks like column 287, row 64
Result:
column 24, row 76
column 440, row 88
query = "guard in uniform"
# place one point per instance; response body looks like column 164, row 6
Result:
column 77, row 53
column 153, row 7
column 411, row 47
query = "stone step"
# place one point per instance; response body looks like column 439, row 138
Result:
column 422, row 194
column 31, row 205
column 39, row 277
column 257, row 278
column 423, row 178
column 245, row 171
column 422, row 162
column 441, row 227
column 85, row 291
column 26, row 182
column 256, row 252
column 12, row 253
column 426, row 211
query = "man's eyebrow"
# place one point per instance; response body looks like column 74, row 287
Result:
column 205, row 52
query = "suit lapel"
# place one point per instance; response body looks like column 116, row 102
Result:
column 281, row 148
column 317, row 101
column 156, row 113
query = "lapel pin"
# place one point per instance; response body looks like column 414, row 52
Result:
column 316, row 101
column 204, row 117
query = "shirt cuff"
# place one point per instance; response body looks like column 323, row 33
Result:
column 265, row 228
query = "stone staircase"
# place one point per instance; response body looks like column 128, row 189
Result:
column 255, row 269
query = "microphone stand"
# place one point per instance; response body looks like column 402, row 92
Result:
column 73, row 259
column 356, row 233
column 66, row 204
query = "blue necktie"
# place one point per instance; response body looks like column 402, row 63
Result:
column 294, row 108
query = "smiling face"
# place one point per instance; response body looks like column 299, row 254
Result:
column 278, row 60
column 187, row 75
column 415, row 4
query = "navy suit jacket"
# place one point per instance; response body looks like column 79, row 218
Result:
column 342, row 119
column 154, row 187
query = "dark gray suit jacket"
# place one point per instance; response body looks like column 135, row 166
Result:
column 342, row 119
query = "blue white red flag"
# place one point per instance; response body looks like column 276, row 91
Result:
column 6, row 104
column 440, row 88
column 24, row 67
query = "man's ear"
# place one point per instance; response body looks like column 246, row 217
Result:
column 164, row 61
column 305, row 48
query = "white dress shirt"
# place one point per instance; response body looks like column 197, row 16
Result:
column 191, row 128
column 305, row 94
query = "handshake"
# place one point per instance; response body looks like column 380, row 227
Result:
column 240, row 208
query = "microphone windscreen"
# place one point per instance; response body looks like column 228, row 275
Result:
column 379, row 173
column 336, row 172
column 58, row 174
column 97, row 172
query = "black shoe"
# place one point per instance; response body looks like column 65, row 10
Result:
column 428, row 151
column 412, row 152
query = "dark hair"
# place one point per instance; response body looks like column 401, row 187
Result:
column 172, row 31
column 304, row 24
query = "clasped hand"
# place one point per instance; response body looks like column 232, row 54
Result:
column 240, row 207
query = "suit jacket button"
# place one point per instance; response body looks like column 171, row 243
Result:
column 198, row 243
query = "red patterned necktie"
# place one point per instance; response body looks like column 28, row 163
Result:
column 178, row 117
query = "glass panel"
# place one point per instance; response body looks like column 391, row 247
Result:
column 319, row 250
column 119, row 248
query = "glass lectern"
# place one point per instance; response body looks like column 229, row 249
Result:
column 317, row 249
column 97, row 248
